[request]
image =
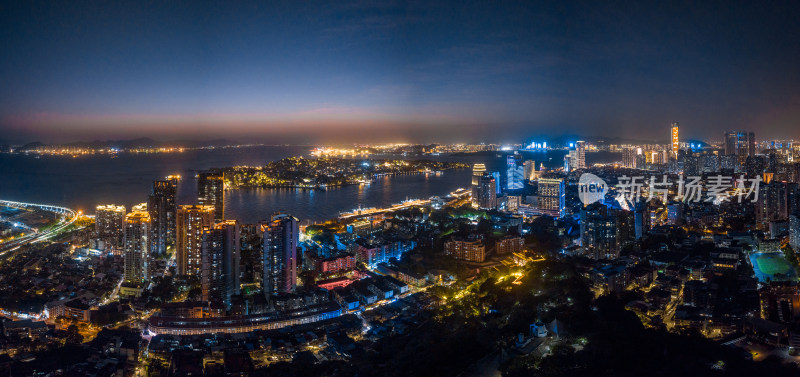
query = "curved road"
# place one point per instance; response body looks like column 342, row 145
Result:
column 66, row 218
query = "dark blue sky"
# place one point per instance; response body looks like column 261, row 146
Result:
column 299, row 71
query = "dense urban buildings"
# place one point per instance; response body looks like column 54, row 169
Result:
column 402, row 188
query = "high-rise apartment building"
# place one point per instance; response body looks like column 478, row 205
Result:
column 794, row 231
column 136, row 250
column 280, row 240
column 599, row 232
column 741, row 144
column 211, row 191
column 629, row 157
column 772, row 203
column 580, row 155
column 477, row 172
column 162, row 208
column 221, row 262
column 108, row 222
column 192, row 221
column 485, row 194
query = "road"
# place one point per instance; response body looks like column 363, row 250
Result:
column 66, row 218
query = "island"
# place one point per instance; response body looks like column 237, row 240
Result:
column 324, row 172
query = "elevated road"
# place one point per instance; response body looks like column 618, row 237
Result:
column 66, row 217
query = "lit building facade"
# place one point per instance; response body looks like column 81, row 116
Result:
column 510, row 244
column 472, row 250
column 484, row 195
column 529, row 170
column 221, row 262
column 580, row 155
column 477, row 172
column 676, row 141
column 552, row 196
column 108, row 222
column 136, row 251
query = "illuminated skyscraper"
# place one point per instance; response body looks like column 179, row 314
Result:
column 211, row 191
column 136, row 251
column 281, row 237
column 108, row 222
column 486, row 192
column 221, row 257
column 676, row 144
column 477, row 172
column 162, row 209
column 191, row 221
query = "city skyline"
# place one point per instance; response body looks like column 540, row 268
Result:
column 399, row 188
column 301, row 73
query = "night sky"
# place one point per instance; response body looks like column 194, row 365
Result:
column 302, row 71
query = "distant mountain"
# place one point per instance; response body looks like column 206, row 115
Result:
column 30, row 146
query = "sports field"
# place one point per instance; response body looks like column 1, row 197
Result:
column 772, row 266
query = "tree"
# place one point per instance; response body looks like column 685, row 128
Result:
column 73, row 335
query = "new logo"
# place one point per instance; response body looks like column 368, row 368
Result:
column 591, row 188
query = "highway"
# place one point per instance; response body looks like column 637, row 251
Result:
column 66, row 218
